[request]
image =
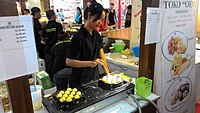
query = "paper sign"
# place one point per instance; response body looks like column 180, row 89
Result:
column 153, row 25
column 17, row 47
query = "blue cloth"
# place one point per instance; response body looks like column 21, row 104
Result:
column 77, row 18
column 60, row 16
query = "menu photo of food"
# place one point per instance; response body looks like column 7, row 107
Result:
column 181, row 65
column 176, row 42
column 178, row 94
column 176, row 45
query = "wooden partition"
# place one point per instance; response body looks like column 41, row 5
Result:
column 147, row 52
column 124, row 33
column 20, row 96
column 8, row 7
column 45, row 5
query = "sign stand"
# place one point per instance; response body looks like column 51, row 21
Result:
column 19, row 89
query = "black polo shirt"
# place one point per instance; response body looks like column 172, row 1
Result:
column 59, row 51
column 128, row 20
column 85, row 47
column 50, row 32
column 111, row 17
column 37, row 29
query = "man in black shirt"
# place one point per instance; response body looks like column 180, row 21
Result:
column 128, row 17
column 111, row 15
column 60, row 70
column 35, row 11
column 50, row 34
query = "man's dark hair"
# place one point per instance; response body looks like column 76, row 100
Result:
column 130, row 7
column 34, row 10
column 57, row 10
column 112, row 4
column 27, row 10
column 93, row 1
column 106, row 10
column 95, row 9
column 50, row 13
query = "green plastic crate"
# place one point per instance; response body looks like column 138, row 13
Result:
column 143, row 86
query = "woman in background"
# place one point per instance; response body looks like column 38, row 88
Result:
column 104, row 25
column 78, row 18
column 60, row 16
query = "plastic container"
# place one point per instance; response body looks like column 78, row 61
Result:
column 136, row 51
column 111, row 49
column 36, row 96
column 118, row 47
column 143, row 86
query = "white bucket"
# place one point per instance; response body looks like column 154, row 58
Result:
column 36, row 96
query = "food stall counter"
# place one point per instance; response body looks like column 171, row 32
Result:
column 127, row 65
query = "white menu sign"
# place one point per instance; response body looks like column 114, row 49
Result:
column 18, row 55
column 153, row 25
column 177, row 56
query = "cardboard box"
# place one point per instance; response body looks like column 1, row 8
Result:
column 44, row 80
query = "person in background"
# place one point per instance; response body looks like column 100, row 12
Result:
column 61, row 72
column 86, row 50
column 35, row 11
column 78, row 18
column 52, row 8
column 50, row 34
column 104, row 25
column 26, row 12
column 60, row 16
column 57, row 11
column 111, row 15
column 128, row 17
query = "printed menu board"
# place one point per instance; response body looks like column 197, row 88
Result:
column 177, row 56
column 17, row 47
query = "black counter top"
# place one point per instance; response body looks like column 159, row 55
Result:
column 92, row 93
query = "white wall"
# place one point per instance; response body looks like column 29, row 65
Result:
column 33, row 3
column 136, row 23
